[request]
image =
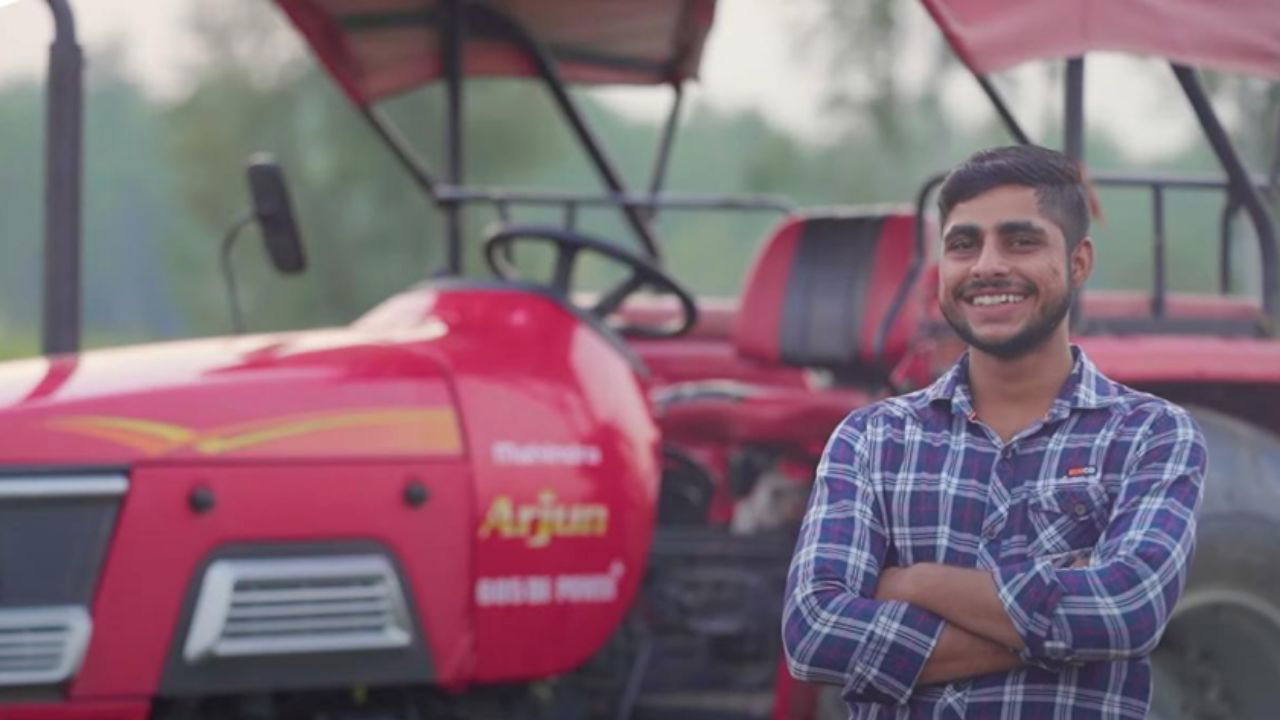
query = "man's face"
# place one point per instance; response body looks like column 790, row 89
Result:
column 1005, row 280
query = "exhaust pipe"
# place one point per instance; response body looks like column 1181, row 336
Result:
column 64, row 142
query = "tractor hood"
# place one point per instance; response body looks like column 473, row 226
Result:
column 320, row 393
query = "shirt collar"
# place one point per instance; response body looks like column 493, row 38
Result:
column 953, row 388
column 1085, row 388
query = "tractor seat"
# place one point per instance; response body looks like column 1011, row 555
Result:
column 819, row 292
column 816, row 297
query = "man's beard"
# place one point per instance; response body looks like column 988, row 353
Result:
column 1038, row 330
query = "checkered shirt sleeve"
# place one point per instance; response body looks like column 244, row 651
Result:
column 833, row 630
column 1118, row 606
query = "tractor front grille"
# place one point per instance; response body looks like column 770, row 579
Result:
column 54, row 532
column 40, row 646
column 54, row 529
column 273, row 606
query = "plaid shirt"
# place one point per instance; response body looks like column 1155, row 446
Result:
column 1109, row 473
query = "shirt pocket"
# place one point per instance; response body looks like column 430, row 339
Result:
column 1066, row 517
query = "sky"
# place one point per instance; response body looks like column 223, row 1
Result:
column 752, row 60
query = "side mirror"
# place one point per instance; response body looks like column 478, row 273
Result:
column 273, row 211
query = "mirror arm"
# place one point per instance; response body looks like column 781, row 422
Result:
column 228, row 275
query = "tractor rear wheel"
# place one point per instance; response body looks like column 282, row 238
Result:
column 1220, row 655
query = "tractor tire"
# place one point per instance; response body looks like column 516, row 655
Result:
column 1220, row 655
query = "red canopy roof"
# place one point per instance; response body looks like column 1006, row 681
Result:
column 1235, row 35
column 376, row 48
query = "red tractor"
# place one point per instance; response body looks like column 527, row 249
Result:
column 503, row 499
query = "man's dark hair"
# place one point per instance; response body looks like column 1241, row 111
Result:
column 1055, row 178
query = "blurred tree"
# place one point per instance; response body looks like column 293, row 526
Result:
column 863, row 46
column 21, row 111
column 131, row 213
column 360, row 218
column 130, row 216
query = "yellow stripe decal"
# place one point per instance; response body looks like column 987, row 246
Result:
column 146, row 435
column 229, row 441
column 431, row 430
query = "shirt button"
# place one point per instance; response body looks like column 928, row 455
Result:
column 1008, row 452
column 990, row 533
column 1080, row 510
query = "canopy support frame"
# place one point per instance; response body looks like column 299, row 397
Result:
column 1073, row 111
column 1226, row 225
column 453, row 39
column 1002, row 109
column 1273, row 176
column 662, row 157
column 1239, row 185
column 500, row 24
column 403, row 151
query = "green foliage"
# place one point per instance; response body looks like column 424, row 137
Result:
column 359, row 216
column 20, row 193
column 130, row 215
column 15, row 346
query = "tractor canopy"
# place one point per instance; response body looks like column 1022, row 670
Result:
column 379, row 48
column 991, row 35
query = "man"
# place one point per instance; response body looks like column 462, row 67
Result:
column 1009, row 542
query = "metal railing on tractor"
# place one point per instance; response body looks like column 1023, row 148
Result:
column 1159, row 320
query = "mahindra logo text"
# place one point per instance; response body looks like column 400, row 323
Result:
column 567, row 454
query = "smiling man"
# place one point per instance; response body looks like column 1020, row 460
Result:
column 1009, row 542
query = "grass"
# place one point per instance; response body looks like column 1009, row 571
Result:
column 12, row 347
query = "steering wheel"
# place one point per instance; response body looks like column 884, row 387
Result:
column 568, row 245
